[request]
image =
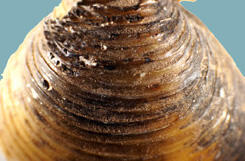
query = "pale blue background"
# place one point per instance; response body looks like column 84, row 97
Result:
column 225, row 18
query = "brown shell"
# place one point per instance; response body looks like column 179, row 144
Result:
column 122, row 80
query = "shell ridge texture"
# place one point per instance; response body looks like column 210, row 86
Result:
column 122, row 80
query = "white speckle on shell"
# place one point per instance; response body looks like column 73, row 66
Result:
column 50, row 88
column 222, row 92
column 88, row 62
column 104, row 47
column 34, row 93
column 28, row 99
column 149, row 2
column 142, row 75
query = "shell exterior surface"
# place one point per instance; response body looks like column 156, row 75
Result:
column 112, row 80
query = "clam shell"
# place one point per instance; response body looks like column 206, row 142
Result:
column 122, row 80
